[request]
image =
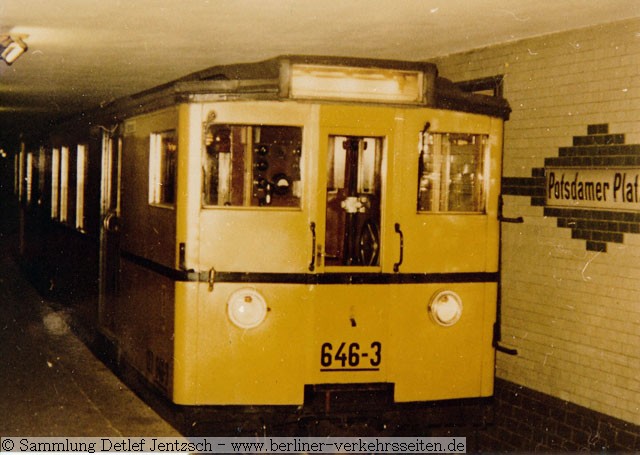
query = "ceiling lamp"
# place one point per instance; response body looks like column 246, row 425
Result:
column 11, row 47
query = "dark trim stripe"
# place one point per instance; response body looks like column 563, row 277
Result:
column 351, row 278
column 311, row 278
column 160, row 269
column 345, row 370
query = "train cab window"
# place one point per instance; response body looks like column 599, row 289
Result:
column 163, row 168
column 252, row 166
column 354, row 191
column 452, row 173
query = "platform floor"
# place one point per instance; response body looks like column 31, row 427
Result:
column 50, row 383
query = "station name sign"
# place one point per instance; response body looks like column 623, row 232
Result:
column 611, row 189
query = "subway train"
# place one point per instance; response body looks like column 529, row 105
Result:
column 254, row 233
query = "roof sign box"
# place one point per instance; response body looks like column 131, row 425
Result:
column 310, row 81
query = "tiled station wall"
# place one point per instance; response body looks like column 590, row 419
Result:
column 571, row 298
column 527, row 421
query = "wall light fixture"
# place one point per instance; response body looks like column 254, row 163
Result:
column 11, row 47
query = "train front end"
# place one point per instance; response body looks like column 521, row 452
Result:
column 335, row 243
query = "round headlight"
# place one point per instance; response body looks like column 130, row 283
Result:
column 445, row 308
column 246, row 308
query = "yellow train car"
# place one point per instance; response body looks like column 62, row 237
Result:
column 302, row 222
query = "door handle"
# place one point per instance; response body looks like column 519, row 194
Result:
column 312, row 265
column 110, row 222
column 396, row 266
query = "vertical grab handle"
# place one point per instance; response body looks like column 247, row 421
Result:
column 396, row 266
column 312, row 265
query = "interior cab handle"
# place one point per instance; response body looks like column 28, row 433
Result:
column 396, row 266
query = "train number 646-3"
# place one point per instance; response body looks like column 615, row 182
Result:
column 351, row 355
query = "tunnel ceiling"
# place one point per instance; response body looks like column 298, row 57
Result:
column 83, row 53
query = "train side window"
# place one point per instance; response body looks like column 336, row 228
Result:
column 55, row 183
column 163, row 168
column 452, row 169
column 64, row 183
column 19, row 188
column 39, row 177
column 252, row 166
column 16, row 174
column 81, row 169
column 29, row 177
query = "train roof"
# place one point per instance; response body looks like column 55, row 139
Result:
column 388, row 82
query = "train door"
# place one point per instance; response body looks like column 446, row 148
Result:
column 109, row 230
column 353, row 197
